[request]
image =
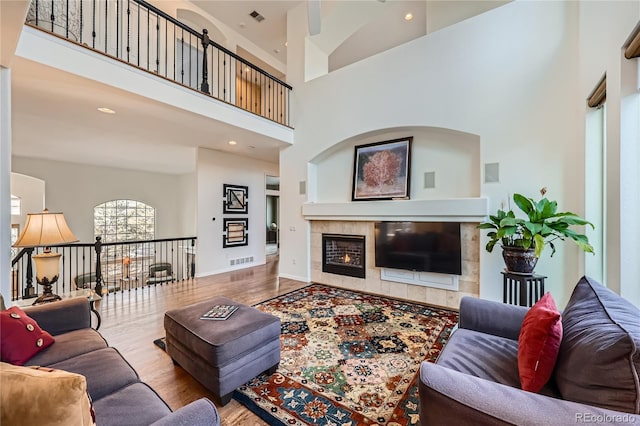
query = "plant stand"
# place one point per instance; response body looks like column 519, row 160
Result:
column 522, row 289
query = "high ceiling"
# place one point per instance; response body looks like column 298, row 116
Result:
column 270, row 34
column 54, row 113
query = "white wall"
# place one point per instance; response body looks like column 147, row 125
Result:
column 75, row 189
column 31, row 192
column 508, row 75
column 214, row 169
column 188, row 201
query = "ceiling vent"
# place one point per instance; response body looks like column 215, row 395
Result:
column 255, row 15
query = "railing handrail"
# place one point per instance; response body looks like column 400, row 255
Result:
column 168, row 17
column 19, row 255
column 25, row 250
column 211, row 42
column 128, row 242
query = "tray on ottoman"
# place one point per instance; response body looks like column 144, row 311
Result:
column 223, row 355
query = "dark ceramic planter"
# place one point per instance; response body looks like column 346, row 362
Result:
column 519, row 260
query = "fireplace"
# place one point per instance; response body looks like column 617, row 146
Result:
column 343, row 254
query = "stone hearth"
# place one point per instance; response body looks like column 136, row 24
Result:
column 469, row 281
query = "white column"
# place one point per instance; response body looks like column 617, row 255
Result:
column 5, row 183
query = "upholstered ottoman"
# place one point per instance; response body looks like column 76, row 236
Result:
column 223, row 355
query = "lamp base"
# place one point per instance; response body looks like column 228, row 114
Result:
column 46, row 298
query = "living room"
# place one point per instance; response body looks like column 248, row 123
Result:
column 512, row 96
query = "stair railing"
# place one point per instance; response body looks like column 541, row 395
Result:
column 109, row 267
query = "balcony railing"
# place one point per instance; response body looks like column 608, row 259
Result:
column 143, row 36
column 109, row 267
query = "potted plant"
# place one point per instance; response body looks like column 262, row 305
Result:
column 524, row 240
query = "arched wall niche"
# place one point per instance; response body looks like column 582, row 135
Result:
column 198, row 23
column 451, row 155
column 30, row 190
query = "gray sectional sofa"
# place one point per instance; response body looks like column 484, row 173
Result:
column 475, row 380
column 119, row 397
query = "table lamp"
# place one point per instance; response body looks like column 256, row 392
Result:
column 45, row 230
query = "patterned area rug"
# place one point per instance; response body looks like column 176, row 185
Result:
column 348, row 358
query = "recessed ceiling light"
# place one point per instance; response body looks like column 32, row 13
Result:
column 232, row 142
column 286, row 44
column 276, row 50
column 242, row 25
column 106, row 110
column 408, row 16
column 252, row 146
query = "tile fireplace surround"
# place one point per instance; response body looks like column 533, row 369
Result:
column 469, row 281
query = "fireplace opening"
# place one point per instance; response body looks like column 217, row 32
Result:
column 343, row 255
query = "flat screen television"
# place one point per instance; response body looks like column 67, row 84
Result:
column 419, row 246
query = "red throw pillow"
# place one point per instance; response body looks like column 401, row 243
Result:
column 21, row 336
column 539, row 343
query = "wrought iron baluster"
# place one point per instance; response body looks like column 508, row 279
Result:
column 118, row 18
column 138, row 35
column 106, row 25
column 98, row 249
column 271, row 98
column 93, row 28
column 128, row 30
column 67, row 22
column 157, row 44
column 53, row 16
column 205, row 74
column 257, row 94
column 148, row 36
column 197, row 64
column 81, row 20
column 175, row 53
column 29, row 290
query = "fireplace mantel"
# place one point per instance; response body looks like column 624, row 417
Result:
column 446, row 210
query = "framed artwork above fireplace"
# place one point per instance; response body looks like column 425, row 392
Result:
column 381, row 170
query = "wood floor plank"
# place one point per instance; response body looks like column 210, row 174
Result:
column 132, row 320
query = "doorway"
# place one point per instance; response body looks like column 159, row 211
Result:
column 273, row 215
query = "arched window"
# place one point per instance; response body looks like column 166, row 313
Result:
column 121, row 221
column 124, row 220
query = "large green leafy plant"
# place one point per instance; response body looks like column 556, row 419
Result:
column 543, row 226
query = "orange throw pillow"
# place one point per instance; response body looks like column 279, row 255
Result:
column 539, row 343
column 21, row 337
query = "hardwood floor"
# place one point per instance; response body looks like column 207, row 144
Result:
column 132, row 320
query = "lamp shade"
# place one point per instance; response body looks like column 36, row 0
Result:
column 45, row 229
